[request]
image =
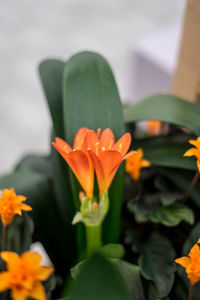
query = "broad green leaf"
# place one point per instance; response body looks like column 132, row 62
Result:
column 99, row 279
column 157, row 263
column 166, row 108
column 191, row 240
column 169, row 193
column 35, row 162
column 167, row 152
column 91, row 99
column 51, row 75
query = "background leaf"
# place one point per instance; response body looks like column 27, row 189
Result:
column 166, row 108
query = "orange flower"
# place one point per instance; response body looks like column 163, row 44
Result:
column 78, row 159
column 135, row 163
column 191, row 264
column 107, row 155
column 194, row 151
column 154, row 127
column 10, row 205
column 24, row 275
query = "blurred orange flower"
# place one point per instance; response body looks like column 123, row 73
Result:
column 24, row 275
column 191, row 264
column 78, row 159
column 135, row 163
column 11, row 204
column 194, row 151
column 154, row 127
column 107, row 155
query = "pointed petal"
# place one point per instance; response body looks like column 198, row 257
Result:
column 38, row 292
column 60, row 143
column 26, row 207
column 183, row 261
column 93, row 142
column 129, row 154
column 194, row 252
column 44, row 273
column 18, row 294
column 107, row 139
column 123, row 144
column 109, row 160
column 196, row 142
column 4, row 281
column 191, row 152
column 11, row 258
column 79, row 138
column 145, row 163
column 99, row 171
column 82, row 167
column 31, row 257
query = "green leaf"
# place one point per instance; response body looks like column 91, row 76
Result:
column 169, row 193
column 172, row 215
column 157, row 263
column 99, row 279
column 166, row 108
column 91, row 99
column 167, row 152
column 51, row 75
column 35, row 162
column 131, row 275
column 192, row 239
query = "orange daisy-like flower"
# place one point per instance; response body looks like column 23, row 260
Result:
column 154, row 127
column 191, row 264
column 194, row 151
column 24, row 275
column 11, row 204
column 107, row 155
column 135, row 163
column 78, row 159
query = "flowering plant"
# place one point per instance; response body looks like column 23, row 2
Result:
column 113, row 205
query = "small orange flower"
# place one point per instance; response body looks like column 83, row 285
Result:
column 135, row 163
column 191, row 263
column 154, row 127
column 194, row 151
column 11, row 204
column 78, row 159
column 24, row 275
column 107, row 155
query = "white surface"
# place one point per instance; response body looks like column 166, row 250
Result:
column 32, row 30
column 155, row 58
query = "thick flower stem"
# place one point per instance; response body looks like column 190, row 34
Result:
column 191, row 186
column 191, row 291
column 4, row 243
column 93, row 238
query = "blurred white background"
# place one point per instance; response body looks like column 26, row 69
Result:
column 32, row 30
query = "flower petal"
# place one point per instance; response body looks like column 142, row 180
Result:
column 18, row 294
column 99, row 171
column 31, row 257
column 11, row 258
column 129, row 154
column 93, row 142
column 191, row 152
column 38, row 292
column 26, row 207
column 44, row 273
column 79, row 139
column 183, row 261
column 4, row 281
column 60, row 143
column 123, row 144
column 196, row 142
column 145, row 163
column 107, row 139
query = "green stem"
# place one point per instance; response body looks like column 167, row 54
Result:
column 93, row 238
column 191, row 291
column 4, row 243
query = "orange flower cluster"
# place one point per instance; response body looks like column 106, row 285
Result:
column 194, row 151
column 24, row 275
column 95, row 151
column 191, row 263
column 154, row 128
column 10, row 205
column 135, row 163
